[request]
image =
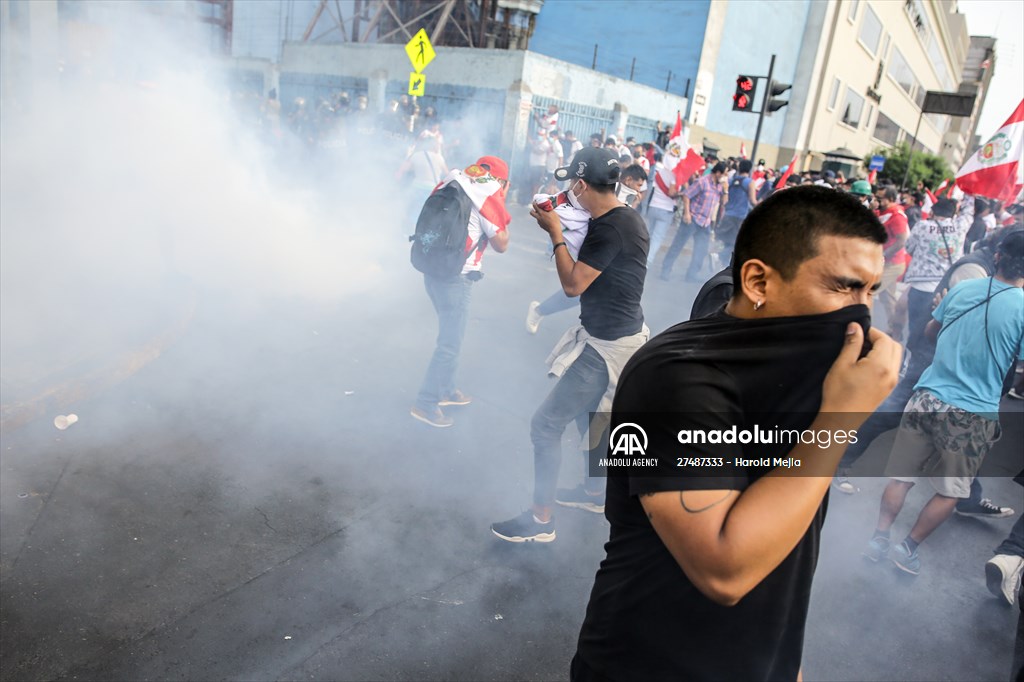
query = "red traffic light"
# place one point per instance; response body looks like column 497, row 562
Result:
column 746, row 89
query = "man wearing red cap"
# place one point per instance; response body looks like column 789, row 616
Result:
column 485, row 183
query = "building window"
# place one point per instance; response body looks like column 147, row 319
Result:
column 852, row 16
column 899, row 71
column 853, row 107
column 834, row 96
column 885, row 45
column 870, row 30
column 886, row 130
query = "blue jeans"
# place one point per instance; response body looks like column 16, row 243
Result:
column 451, row 302
column 726, row 233
column 577, row 394
column 659, row 222
column 701, row 237
column 557, row 302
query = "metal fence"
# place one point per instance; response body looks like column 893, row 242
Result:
column 581, row 119
column 643, row 129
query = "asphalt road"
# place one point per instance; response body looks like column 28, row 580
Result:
column 256, row 503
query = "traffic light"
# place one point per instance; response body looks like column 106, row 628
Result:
column 774, row 90
column 746, row 88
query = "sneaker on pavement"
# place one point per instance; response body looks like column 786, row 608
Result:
column 456, row 397
column 524, row 528
column 877, row 549
column 905, row 560
column 984, row 510
column 533, row 317
column 433, row 417
column 843, row 485
column 578, row 498
column 1015, row 394
column 1002, row 575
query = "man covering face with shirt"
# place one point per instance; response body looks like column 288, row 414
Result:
column 709, row 566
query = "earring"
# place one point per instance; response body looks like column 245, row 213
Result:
column 758, row 305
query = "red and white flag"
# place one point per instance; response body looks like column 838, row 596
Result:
column 872, row 177
column 743, row 150
column 997, row 169
column 787, row 172
column 484, row 191
column 679, row 156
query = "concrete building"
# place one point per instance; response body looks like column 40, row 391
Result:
column 960, row 140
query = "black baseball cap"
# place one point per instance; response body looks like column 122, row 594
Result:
column 596, row 165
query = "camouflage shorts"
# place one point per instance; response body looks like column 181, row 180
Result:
column 942, row 443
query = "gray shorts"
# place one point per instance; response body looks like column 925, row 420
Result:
column 942, row 443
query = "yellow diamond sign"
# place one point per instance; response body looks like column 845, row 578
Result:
column 417, row 82
column 420, row 51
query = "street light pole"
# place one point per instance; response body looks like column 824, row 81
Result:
column 764, row 107
column 910, row 154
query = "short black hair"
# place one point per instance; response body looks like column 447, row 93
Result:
column 1011, row 255
column 603, row 189
column 783, row 230
column 890, row 193
column 625, row 160
column 745, row 166
column 719, row 168
column 944, row 208
column 634, row 172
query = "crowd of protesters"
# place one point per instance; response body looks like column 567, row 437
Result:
column 617, row 207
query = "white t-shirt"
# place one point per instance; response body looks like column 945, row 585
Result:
column 428, row 169
column 539, row 151
column 659, row 199
column 554, row 158
column 549, row 122
column 478, row 225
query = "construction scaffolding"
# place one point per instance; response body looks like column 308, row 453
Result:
column 502, row 24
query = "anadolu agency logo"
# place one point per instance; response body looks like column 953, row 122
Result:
column 628, row 439
column 995, row 150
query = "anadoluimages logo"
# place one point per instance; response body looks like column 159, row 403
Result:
column 628, row 439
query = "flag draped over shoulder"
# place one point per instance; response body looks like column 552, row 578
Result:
column 484, row 191
column 679, row 156
column 996, row 170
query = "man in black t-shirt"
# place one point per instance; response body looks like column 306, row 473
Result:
column 709, row 563
column 609, row 279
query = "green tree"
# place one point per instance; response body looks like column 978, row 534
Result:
column 929, row 168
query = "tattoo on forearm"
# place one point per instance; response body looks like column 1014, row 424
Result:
column 682, row 502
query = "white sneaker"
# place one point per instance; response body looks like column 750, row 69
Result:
column 1002, row 575
column 533, row 318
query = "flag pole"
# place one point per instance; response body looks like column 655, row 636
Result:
column 910, row 154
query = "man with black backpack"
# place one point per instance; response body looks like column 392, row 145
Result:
column 463, row 215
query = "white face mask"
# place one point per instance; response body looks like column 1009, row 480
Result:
column 573, row 199
column 626, row 194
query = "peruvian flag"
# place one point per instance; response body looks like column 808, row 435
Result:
column 787, row 173
column 997, row 169
column 743, row 150
column 680, row 157
column 872, row 177
column 484, row 191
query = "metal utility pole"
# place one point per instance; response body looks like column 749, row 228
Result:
column 910, row 152
column 632, row 68
column 594, row 64
column 764, row 108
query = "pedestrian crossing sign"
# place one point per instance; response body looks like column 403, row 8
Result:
column 420, row 51
column 417, row 81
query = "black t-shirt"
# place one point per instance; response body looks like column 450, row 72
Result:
column 616, row 244
column 646, row 620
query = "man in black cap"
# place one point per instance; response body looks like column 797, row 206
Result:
column 609, row 278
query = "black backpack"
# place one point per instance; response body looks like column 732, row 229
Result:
column 439, row 245
column 715, row 293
